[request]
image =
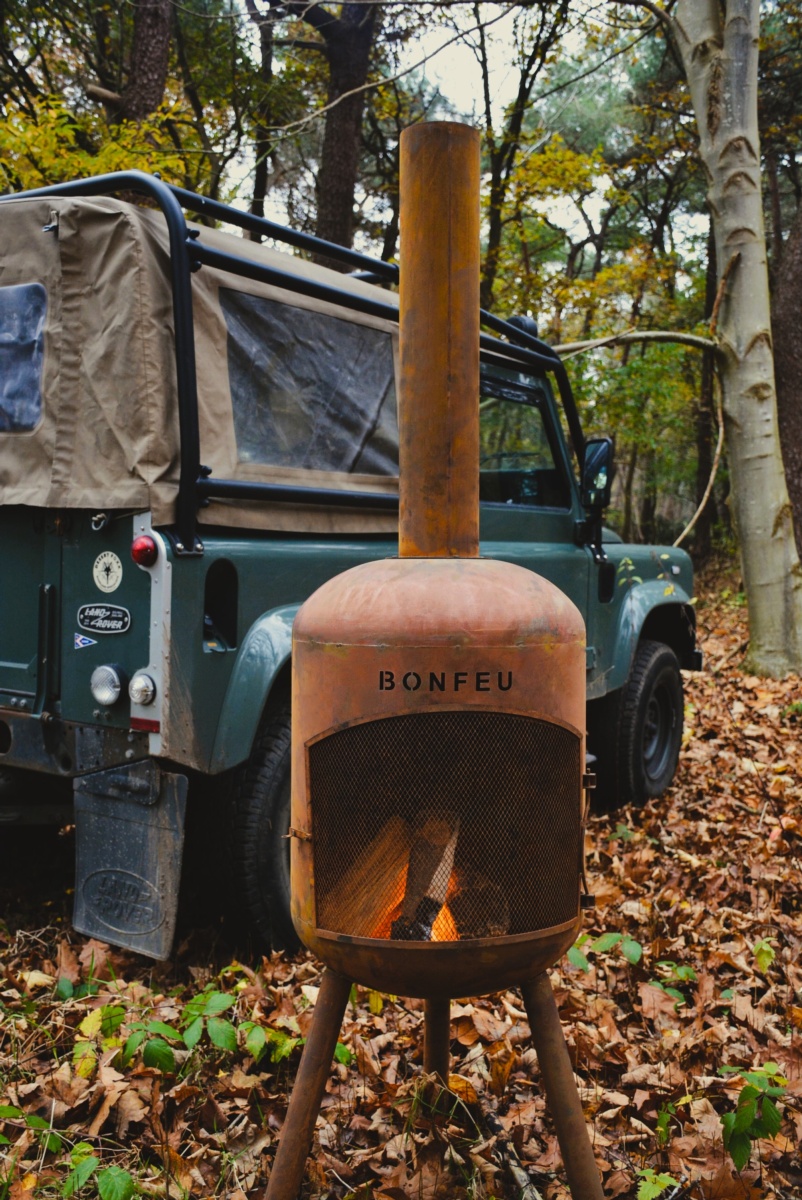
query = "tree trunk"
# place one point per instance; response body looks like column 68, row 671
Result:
column 349, row 41
column 628, row 532
column 150, row 54
column 648, row 504
column 263, row 143
column 719, row 45
column 787, row 337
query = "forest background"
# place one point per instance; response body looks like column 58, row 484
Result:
column 596, row 222
column 595, row 215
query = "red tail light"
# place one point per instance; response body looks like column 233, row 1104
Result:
column 144, row 550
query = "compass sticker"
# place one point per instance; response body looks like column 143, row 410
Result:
column 107, row 571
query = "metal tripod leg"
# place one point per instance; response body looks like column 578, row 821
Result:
column 437, row 1038
column 287, row 1174
column 561, row 1093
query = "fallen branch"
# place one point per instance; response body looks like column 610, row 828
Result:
column 638, row 335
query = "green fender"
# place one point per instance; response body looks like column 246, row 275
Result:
column 266, row 648
column 653, row 609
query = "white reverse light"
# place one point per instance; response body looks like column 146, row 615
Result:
column 106, row 684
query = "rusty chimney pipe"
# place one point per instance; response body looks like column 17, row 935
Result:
column 438, row 403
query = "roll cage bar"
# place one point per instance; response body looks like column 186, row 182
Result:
column 189, row 254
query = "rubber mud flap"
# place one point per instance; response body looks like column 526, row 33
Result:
column 129, row 826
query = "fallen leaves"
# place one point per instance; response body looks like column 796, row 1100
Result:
column 690, row 963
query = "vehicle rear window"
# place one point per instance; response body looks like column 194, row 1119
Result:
column 309, row 389
column 22, row 323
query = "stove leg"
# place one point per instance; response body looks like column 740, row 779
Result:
column 437, row 1038
column 561, row 1092
column 289, row 1164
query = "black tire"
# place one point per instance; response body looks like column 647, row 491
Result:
column 636, row 733
column 260, row 851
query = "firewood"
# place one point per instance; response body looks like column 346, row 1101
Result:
column 373, row 885
column 479, row 906
column 431, row 860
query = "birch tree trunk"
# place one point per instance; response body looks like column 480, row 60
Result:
column 719, row 46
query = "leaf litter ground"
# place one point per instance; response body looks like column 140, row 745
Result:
column 118, row 1075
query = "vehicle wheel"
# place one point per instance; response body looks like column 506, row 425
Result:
column 636, row 732
column 261, row 849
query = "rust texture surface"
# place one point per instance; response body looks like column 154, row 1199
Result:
column 438, row 698
column 439, row 341
column 436, row 639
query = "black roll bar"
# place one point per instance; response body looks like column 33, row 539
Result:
column 187, row 254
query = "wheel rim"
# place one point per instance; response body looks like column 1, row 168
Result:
column 658, row 730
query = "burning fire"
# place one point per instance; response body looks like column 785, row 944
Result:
column 444, row 928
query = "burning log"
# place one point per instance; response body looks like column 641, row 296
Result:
column 431, row 861
column 479, row 907
column 372, row 887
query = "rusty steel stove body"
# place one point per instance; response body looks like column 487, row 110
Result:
column 437, row 769
column 438, row 713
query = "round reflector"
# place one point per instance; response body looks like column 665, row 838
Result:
column 144, row 550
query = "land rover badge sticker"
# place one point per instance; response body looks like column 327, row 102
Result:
column 103, row 618
column 107, row 571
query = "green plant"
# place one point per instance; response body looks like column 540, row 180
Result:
column 756, row 1115
column 792, row 711
column 156, row 1050
column 664, row 1115
column 652, row 1185
column 203, row 1012
column 631, row 949
column 734, row 599
column 764, row 953
column 674, row 973
column 45, row 1135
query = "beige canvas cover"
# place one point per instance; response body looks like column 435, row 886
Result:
column 107, row 433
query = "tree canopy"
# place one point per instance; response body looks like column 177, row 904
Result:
column 595, row 191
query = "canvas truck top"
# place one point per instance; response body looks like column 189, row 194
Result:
column 291, row 389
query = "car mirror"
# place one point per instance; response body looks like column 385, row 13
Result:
column 597, row 472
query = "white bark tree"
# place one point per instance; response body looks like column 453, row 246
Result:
column 719, row 47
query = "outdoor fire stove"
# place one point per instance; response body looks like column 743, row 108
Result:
column 438, row 715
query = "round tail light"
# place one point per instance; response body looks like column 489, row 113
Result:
column 144, row 550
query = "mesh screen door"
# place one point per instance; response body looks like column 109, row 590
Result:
column 446, row 826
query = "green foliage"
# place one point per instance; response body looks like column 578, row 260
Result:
column 84, row 1164
column 46, row 143
column 631, row 949
column 756, row 1115
column 201, row 1013
column 115, row 1184
column 45, row 1135
column 652, row 1185
column 764, row 953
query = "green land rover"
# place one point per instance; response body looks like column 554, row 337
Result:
column 197, row 431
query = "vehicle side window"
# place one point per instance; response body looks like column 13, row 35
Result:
column 23, row 307
column 309, row 389
column 516, row 459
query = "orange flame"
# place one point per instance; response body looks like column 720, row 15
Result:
column 444, row 928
